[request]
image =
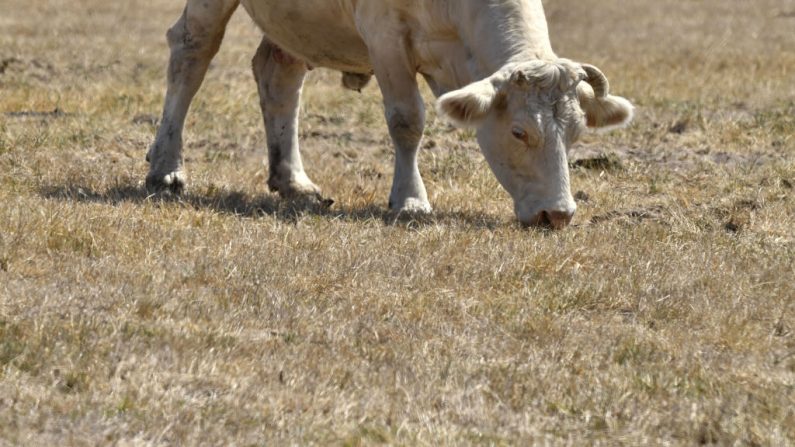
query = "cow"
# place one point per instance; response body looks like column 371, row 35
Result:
column 489, row 63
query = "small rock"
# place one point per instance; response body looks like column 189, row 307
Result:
column 145, row 119
column 680, row 126
column 732, row 226
column 780, row 330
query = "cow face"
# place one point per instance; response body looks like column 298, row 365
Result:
column 527, row 116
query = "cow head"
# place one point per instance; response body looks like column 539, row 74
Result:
column 527, row 115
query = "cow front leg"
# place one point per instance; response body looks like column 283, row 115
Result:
column 194, row 40
column 280, row 79
column 405, row 116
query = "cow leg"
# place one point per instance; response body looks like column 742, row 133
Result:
column 405, row 116
column 280, row 79
column 194, row 40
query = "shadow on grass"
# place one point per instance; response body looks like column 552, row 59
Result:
column 242, row 205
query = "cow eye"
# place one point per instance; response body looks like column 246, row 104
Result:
column 519, row 134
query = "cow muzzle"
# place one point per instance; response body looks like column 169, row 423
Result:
column 552, row 220
column 548, row 217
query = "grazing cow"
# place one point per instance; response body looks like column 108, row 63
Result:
column 489, row 62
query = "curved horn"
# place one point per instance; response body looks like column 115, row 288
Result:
column 597, row 80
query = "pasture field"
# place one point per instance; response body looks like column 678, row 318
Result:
column 663, row 316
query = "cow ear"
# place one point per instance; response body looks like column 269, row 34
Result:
column 607, row 112
column 468, row 106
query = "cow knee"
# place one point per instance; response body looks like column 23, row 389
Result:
column 179, row 36
column 405, row 125
column 193, row 35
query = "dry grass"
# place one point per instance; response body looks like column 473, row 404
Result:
column 227, row 317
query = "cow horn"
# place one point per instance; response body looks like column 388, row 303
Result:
column 597, row 80
column 520, row 78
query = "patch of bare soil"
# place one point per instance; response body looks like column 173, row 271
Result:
column 673, row 158
column 632, row 215
column 40, row 70
column 54, row 113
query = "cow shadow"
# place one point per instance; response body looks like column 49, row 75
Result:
column 243, row 205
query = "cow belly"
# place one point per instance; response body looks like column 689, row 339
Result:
column 321, row 32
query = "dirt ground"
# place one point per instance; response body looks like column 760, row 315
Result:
column 663, row 316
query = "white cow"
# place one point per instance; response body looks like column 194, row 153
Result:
column 489, row 62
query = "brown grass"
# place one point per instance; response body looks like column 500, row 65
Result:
column 664, row 316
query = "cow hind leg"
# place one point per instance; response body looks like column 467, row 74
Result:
column 280, row 79
column 194, row 40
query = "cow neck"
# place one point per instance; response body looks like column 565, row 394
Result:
column 500, row 33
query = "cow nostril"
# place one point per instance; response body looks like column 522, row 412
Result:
column 549, row 220
column 544, row 221
column 552, row 220
column 559, row 219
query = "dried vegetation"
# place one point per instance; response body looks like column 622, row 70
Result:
column 665, row 315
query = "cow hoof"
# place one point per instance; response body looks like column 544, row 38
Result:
column 306, row 193
column 412, row 206
column 294, row 189
column 308, row 200
column 173, row 182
